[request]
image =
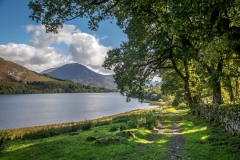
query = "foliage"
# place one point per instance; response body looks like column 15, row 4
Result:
column 3, row 138
column 87, row 125
column 7, row 87
column 113, row 128
column 152, row 93
column 202, row 141
column 97, row 143
column 207, row 141
column 193, row 40
column 147, row 120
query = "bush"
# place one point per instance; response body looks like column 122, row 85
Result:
column 43, row 133
column 122, row 127
column 87, row 125
column 102, row 123
column 3, row 138
column 113, row 128
column 175, row 102
column 121, row 119
column 126, row 134
column 146, row 120
column 74, row 128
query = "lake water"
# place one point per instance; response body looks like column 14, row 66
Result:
column 26, row 110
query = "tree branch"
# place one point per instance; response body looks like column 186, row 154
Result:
column 98, row 3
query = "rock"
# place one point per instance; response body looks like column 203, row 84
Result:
column 108, row 140
column 91, row 138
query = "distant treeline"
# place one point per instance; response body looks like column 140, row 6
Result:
column 7, row 87
column 153, row 93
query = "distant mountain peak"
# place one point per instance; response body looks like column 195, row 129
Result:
column 81, row 74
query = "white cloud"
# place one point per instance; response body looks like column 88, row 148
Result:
column 40, row 54
column 85, row 49
column 32, row 58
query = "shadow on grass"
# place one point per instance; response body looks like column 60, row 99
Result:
column 207, row 140
column 77, row 147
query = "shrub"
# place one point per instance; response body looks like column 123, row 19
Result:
column 125, row 134
column 74, row 128
column 3, row 138
column 122, row 127
column 121, row 119
column 87, row 125
column 146, row 120
column 102, row 123
column 113, row 128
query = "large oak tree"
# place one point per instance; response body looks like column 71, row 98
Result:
column 163, row 35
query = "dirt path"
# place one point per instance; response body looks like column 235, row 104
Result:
column 176, row 141
column 176, row 138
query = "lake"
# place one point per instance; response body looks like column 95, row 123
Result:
column 24, row 110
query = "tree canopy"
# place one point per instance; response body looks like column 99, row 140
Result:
column 198, row 41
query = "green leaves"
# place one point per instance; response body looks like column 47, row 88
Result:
column 164, row 37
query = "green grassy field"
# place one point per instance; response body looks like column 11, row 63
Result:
column 128, row 136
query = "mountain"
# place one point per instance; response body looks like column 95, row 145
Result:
column 48, row 70
column 81, row 74
column 13, row 72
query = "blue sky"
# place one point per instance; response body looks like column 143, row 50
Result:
column 25, row 42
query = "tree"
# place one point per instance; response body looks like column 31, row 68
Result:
column 162, row 35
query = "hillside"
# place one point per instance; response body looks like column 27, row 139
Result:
column 81, row 74
column 16, row 79
column 10, row 71
column 48, row 70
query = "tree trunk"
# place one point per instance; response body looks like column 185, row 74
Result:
column 185, row 80
column 230, row 89
column 186, row 84
column 188, row 93
column 237, row 89
column 217, row 94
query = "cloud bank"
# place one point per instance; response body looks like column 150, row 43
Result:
column 44, row 50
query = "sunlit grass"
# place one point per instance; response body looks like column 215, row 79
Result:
column 204, row 137
column 202, row 140
column 207, row 141
column 66, row 146
column 195, row 129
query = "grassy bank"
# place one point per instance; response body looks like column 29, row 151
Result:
column 208, row 140
column 124, row 136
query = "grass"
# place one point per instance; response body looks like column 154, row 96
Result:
column 207, row 140
column 126, row 136
column 127, row 142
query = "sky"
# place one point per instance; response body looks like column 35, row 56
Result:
column 25, row 42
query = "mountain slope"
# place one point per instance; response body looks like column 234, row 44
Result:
column 13, row 72
column 81, row 74
column 48, row 70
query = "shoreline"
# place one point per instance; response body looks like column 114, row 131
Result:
column 94, row 120
column 18, row 132
column 47, row 110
